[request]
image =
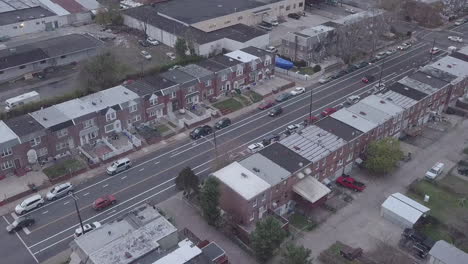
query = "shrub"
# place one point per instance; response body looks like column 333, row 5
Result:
column 300, row 63
column 317, row 68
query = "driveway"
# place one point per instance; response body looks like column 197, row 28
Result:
column 185, row 216
column 360, row 224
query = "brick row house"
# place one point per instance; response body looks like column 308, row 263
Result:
column 89, row 124
column 293, row 172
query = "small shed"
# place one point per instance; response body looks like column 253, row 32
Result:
column 445, row 253
column 402, row 210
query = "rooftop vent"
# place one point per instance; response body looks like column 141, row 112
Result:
column 354, row 116
column 382, row 101
column 297, row 148
column 243, row 175
column 362, row 113
column 301, row 164
column 429, row 77
column 31, row 17
column 42, row 15
column 406, row 88
column 239, row 57
column 31, row 122
column 93, row 103
column 44, row 118
column 390, row 99
column 256, row 170
column 125, row 93
column 220, row 5
column 128, row 255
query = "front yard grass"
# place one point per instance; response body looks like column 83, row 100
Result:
column 162, row 128
column 64, row 167
column 244, row 100
column 301, row 222
column 230, row 104
column 306, row 70
column 254, row 97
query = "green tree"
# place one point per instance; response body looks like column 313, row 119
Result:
column 102, row 72
column 267, row 237
column 181, row 47
column 209, row 201
column 109, row 17
column 293, row 254
column 187, row 181
column 383, row 155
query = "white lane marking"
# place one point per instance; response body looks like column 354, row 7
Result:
column 142, row 169
column 123, row 177
column 14, row 215
column 203, row 170
column 45, row 212
column 111, row 212
column 320, row 88
column 105, row 211
column 102, row 220
column 105, row 185
column 26, row 231
column 156, row 163
column 65, row 203
column 24, row 244
column 86, row 194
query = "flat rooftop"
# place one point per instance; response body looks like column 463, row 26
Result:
column 417, row 85
column 24, row 14
column 241, row 56
column 284, row 157
column 194, row 11
column 356, row 121
column 428, row 79
column 397, row 98
column 7, row 133
column 265, row 169
column 313, row 143
column 178, row 76
column 23, row 125
column 452, row 66
column 384, row 105
column 338, row 128
column 370, row 113
column 196, row 71
column 411, row 93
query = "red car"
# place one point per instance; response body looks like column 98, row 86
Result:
column 328, row 111
column 104, row 202
column 350, row 183
column 368, row 79
column 311, row 119
column 265, row 105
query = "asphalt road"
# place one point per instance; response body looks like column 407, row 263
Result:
column 151, row 178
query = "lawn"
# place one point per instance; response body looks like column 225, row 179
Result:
column 162, row 128
column 301, row 222
column 230, row 104
column 63, row 167
column 244, row 100
column 254, row 97
column 306, row 70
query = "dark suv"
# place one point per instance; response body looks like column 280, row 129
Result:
column 294, row 15
column 201, row 132
column 225, row 122
column 276, row 111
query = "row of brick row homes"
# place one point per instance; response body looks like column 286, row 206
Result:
column 294, row 171
column 69, row 127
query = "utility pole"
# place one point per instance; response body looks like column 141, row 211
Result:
column 310, row 106
column 381, row 72
column 432, row 49
column 215, row 146
column 75, row 199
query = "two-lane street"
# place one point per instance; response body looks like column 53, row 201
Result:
column 152, row 177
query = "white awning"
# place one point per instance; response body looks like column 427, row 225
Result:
column 311, row 189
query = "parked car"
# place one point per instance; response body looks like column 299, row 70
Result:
column 87, row 228
column 59, row 191
column 325, row 79
column 297, row 91
column 283, row 97
column 350, row 10
column 339, row 74
column 175, row 67
column 368, row 79
column 225, row 122
column 463, row 170
column 265, row 26
column 104, row 202
column 381, row 55
column 455, row 38
column 271, row 49
column 361, row 64
column 435, row 171
column 294, row 15
column 404, row 46
column 390, row 51
column 328, row 111
column 266, row 104
column 350, row 183
column 146, row 55
column 143, row 43
column 29, row 204
column 255, row 147
column 350, row 253
column 379, row 87
column 434, row 50
column 292, row 128
column 353, row 99
column 118, row 166
column 171, row 55
column 201, row 131
column 460, row 22
column 276, row 111
column 152, row 41
column 351, row 68
column 270, row 138
column 419, row 238
column 20, row 223
column 311, row 119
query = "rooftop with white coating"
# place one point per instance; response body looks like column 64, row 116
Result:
column 241, row 56
column 354, row 120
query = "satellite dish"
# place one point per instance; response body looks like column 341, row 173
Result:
column 32, row 156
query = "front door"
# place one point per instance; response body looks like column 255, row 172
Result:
column 17, row 163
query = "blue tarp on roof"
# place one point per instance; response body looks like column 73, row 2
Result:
column 283, row 64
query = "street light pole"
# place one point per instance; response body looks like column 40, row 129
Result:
column 75, row 199
column 310, row 105
column 381, row 72
column 215, row 146
column 432, row 49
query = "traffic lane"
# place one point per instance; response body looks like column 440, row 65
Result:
column 14, row 251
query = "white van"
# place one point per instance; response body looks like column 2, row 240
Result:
column 353, row 99
column 118, row 166
column 21, row 100
column 435, row 171
column 29, row 204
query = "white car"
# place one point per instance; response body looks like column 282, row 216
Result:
column 353, row 99
column 174, row 67
column 255, row 147
column 87, row 228
column 325, row 79
column 459, row 22
column 293, row 128
column 271, row 49
column 390, row 51
column 118, row 166
column 379, row 87
column 435, row 171
column 434, row 50
column 455, row 38
column 59, row 191
column 298, row 90
column 171, row 55
column 29, row 204
column 404, row 46
column 146, row 55
column 350, row 10
column 152, row 41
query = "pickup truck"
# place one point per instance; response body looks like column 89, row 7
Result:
column 350, row 183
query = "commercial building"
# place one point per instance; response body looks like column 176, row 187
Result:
column 20, row 17
column 23, row 61
column 209, row 26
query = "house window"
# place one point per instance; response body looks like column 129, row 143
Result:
column 191, row 89
column 42, row 152
column 133, row 108
column 43, row 61
column 208, row 83
column 239, row 18
column 254, row 203
column 224, row 77
column 7, row 152
column 7, row 164
column 254, row 65
column 35, row 141
column 109, row 128
column 111, row 116
column 288, row 7
column 63, row 56
column 136, row 118
column 227, row 22
column 239, row 71
column 88, row 123
column 15, row 27
column 93, row 134
column 62, row 133
column 286, row 51
column 301, row 4
column 1, row 72
column 153, row 101
column 61, row 145
column 157, row 113
column 210, row 91
column 173, row 95
column 263, row 197
column 37, row 23
column 22, row 66
column 252, row 217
